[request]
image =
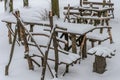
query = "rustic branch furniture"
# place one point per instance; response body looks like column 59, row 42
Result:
column 78, row 13
column 101, row 53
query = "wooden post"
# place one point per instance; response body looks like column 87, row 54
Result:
column 55, row 7
column 22, row 37
column 8, row 5
column 31, row 30
column 25, row 3
column 109, row 33
column 11, row 53
column 51, row 19
column 55, row 44
column 73, row 39
column 104, row 3
column 67, row 69
column 46, row 53
column 99, row 65
column 18, row 25
column 81, row 2
column 67, row 15
column 22, row 34
column 9, row 33
column 66, row 38
column 30, row 64
column 82, row 47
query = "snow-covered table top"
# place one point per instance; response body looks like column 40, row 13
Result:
column 26, row 19
column 78, row 29
column 74, row 28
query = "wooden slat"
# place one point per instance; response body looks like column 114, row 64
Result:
column 98, row 3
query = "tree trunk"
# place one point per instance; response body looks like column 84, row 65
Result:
column 55, row 7
column 8, row 5
column 99, row 65
column 25, row 3
column 81, row 2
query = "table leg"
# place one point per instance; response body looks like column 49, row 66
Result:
column 73, row 38
column 66, row 38
column 31, row 30
column 83, row 47
column 9, row 33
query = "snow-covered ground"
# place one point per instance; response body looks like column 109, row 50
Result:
column 19, row 69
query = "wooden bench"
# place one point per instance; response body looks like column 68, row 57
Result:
column 103, row 4
column 99, row 3
column 87, row 12
column 69, row 11
column 101, row 53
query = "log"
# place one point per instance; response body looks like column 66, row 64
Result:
column 99, row 65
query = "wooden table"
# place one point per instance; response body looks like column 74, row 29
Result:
column 75, row 30
column 10, row 20
column 72, row 29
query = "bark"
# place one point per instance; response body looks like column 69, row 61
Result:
column 8, row 5
column 55, row 44
column 25, row 3
column 55, row 7
column 11, row 54
column 81, row 2
column 73, row 39
column 99, row 65
column 46, row 56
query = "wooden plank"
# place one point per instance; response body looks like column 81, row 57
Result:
column 98, row 3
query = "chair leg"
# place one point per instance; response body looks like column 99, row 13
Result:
column 67, row 69
column 42, row 61
column 92, row 43
column 30, row 64
column 99, row 42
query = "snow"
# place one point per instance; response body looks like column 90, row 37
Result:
column 97, row 36
column 26, row 18
column 102, row 51
column 78, row 28
column 19, row 68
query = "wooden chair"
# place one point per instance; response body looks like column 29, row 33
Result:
column 99, row 36
column 69, row 12
column 45, row 52
column 102, row 52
